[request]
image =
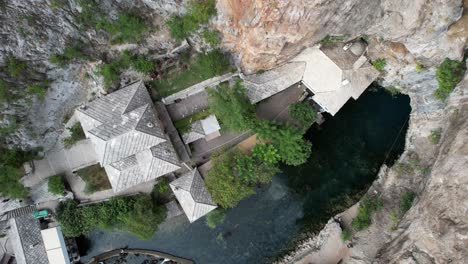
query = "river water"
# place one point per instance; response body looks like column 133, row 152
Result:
column 348, row 150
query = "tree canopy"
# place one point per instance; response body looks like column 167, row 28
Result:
column 232, row 107
column 303, row 112
column 56, row 185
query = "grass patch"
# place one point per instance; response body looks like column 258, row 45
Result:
column 15, row 67
column 70, row 53
column 126, row 28
column 448, row 74
column 198, row 12
column 37, row 89
column 215, row 217
column 184, row 125
column 379, row 64
column 406, row 201
column 345, row 235
column 435, row 136
column 394, row 219
column 200, row 68
column 76, row 134
column 211, row 37
column 56, row 185
column 367, row 207
column 95, row 178
column 330, row 40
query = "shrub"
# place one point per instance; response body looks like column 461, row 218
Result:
column 95, row 178
column 448, row 74
column 70, row 53
column 394, row 219
column 330, row 40
column 420, row 67
column 15, row 66
column 235, row 175
column 435, row 136
column 38, row 90
column 143, row 65
column 126, row 28
column 162, row 187
column 266, row 152
column 76, row 134
column 198, row 12
column 11, row 186
column 90, row 14
column 366, row 209
column 211, row 37
column 137, row 214
column 345, row 235
column 406, row 201
column 232, row 106
column 55, row 4
column 56, row 185
column 379, row 64
column 215, row 217
column 303, row 112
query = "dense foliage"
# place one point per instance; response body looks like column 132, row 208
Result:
column 379, row 64
column 76, row 134
column 56, row 185
column 234, row 176
column 215, row 217
column 449, row 73
column 366, row 209
column 232, row 107
column 266, row 152
column 139, row 215
column 289, row 141
column 304, row 113
column 198, row 12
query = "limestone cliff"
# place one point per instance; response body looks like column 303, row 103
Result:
column 267, row 33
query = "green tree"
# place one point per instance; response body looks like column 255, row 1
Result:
column 448, row 74
column 10, row 185
column 292, row 147
column 215, row 217
column 232, row 107
column 56, row 185
column 72, row 220
column 266, row 152
column 303, row 112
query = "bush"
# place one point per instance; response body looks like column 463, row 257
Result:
column 330, row 40
column 137, row 214
column 235, row 175
column 15, row 66
column 70, row 53
column 198, row 12
column 394, row 219
column 420, row 67
column 215, row 217
column 293, row 149
column 162, row 187
column 366, row 209
column 303, row 112
column 407, row 201
column 90, row 14
column 140, row 64
column 435, row 136
column 126, row 28
column 95, row 178
column 56, row 185
column 448, row 74
column 211, row 37
column 38, row 90
column 76, row 134
column 345, row 235
column 379, row 64
column 266, row 152
column 232, row 107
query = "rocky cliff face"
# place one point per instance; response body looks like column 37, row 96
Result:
column 32, row 31
column 264, row 34
column 267, row 33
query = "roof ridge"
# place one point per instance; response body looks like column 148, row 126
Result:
column 133, row 95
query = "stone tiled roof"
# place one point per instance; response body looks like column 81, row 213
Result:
column 200, row 128
column 128, row 137
column 29, row 245
column 192, row 195
column 264, row 85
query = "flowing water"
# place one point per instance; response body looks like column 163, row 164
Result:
column 348, row 150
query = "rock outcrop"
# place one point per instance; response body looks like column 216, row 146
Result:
column 266, row 33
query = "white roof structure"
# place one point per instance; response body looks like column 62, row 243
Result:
column 128, row 137
column 334, row 75
column 201, row 129
column 192, row 195
column 55, row 245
